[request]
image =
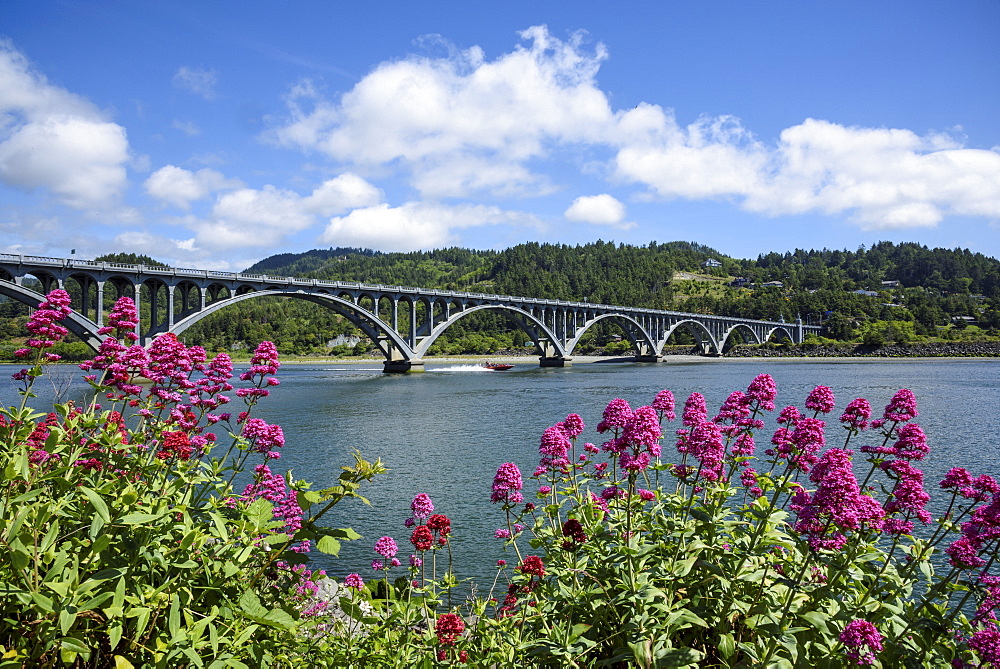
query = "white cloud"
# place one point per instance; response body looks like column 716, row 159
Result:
column 460, row 124
column 881, row 178
column 53, row 139
column 443, row 118
column 244, row 217
column 197, row 80
column 600, row 210
column 347, row 191
column 412, row 226
column 181, row 187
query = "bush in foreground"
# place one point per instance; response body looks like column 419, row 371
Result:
column 123, row 542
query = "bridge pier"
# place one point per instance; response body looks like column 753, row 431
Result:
column 648, row 358
column 402, row 366
column 557, row 361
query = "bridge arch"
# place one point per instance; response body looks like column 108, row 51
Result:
column 389, row 342
column 81, row 326
column 641, row 341
column 742, row 328
column 546, row 342
column 698, row 330
column 784, row 332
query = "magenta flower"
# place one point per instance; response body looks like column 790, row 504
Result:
column 763, row 390
column 616, row 414
column 554, row 448
column 856, row 415
column 695, row 410
column 642, row 430
column 706, row 445
column 820, row 400
column 912, row 443
column 901, row 408
column 386, row 547
column 354, row 581
column 263, row 437
column 122, row 321
column 735, row 408
column 986, row 643
column 789, row 416
column 573, row 426
column 44, row 321
column 836, row 506
column 908, row 495
column 664, row 404
column 422, row 506
column 964, row 554
column 744, row 445
column 507, row 485
column 273, row 488
column 862, row 640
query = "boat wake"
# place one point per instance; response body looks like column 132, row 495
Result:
column 460, row 368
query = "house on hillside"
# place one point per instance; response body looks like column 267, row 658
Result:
column 890, row 284
column 740, row 282
column 711, row 262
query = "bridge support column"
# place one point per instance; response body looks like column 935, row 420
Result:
column 648, row 358
column 402, row 366
column 559, row 361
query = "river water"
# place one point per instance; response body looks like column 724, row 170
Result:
column 445, row 432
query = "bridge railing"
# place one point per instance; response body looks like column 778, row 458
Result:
column 46, row 261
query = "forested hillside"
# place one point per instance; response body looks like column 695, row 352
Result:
column 886, row 293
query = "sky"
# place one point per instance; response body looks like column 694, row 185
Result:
column 214, row 134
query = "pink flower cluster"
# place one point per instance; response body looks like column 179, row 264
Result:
column 507, row 485
column 862, row 640
column 44, row 322
column 837, row 505
column 274, row 489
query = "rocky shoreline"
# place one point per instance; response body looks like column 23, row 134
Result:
column 987, row 349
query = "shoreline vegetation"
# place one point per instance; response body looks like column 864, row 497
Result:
column 982, row 349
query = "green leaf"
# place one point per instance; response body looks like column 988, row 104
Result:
column 58, row 587
column 328, row 545
column 99, row 506
column 727, row 645
column 139, row 518
column 188, row 539
column 260, row 513
column 20, row 558
column 817, row 620
column 174, row 615
column 66, row 620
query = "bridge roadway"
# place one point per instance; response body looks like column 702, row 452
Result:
column 403, row 322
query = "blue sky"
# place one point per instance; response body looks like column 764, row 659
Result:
column 213, row 134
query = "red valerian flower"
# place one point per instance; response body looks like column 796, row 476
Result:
column 533, row 566
column 422, row 539
column 449, row 627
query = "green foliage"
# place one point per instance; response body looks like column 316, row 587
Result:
column 118, row 548
column 130, row 259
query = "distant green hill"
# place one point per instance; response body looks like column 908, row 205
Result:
column 889, row 292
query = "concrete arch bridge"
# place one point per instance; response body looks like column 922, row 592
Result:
column 403, row 322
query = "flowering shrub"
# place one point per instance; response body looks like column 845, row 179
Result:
column 708, row 544
column 726, row 557
column 122, row 540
